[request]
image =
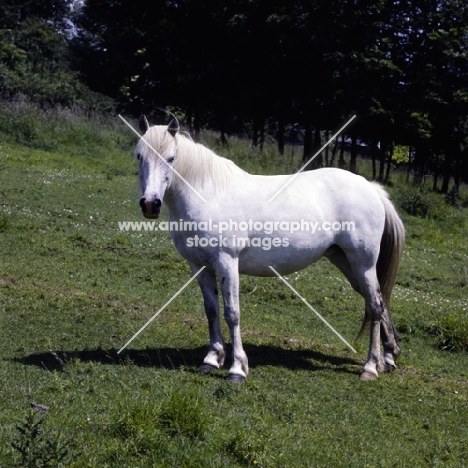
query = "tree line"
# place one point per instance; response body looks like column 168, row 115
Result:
column 266, row 67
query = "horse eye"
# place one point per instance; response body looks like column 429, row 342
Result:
column 170, row 160
column 138, row 156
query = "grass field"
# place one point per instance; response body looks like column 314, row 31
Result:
column 74, row 289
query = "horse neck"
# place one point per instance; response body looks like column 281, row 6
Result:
column 203, row 173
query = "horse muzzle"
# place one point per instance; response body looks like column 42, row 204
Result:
column 150, row 208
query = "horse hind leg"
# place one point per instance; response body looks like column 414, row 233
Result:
column 391, row 348
column 338, row 258
column 374, row 361
column 381, row 328
column 375, row 307
column 361, row 272
column 388, row 336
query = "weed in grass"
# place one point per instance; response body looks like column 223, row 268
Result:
column 26, row 131
column 451, row 332
column 184, row 414
column 160, row 434
column 137, row 423
column 38, row 448
column 252, row 447
column 4, row 222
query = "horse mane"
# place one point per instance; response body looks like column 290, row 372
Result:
column 196, row 163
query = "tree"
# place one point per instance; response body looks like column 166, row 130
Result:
column 433, row 44
column 35, row 54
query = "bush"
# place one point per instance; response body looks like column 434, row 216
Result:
column 418, row 202
column 452, row 198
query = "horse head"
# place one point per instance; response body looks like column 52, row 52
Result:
column 156, row 153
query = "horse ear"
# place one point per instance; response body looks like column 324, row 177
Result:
column 143, row 123
column 173, row 126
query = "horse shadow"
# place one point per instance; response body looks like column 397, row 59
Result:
column 190, row 358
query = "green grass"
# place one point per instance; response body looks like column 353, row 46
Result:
column 74, row 289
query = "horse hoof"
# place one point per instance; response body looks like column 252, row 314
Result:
column 236, row 378
column 366, row 376
column 389, row 367
column 207, row 368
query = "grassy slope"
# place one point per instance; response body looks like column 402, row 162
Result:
column 73, row 289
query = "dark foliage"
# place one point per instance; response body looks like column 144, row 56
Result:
column 260, row 67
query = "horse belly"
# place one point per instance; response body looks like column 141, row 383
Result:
column 256, row 261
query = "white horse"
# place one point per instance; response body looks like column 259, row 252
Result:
column 221, row 217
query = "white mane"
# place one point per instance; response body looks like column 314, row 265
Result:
column 193, row 161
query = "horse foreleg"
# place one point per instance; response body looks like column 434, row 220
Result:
column 229, row 279
column 215, row 357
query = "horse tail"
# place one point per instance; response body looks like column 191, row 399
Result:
column 391, row 250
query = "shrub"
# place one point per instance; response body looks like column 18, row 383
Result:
column 452, row 198
column 418, row 202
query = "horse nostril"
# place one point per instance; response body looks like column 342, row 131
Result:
column 143, row 205
column 157, row 204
